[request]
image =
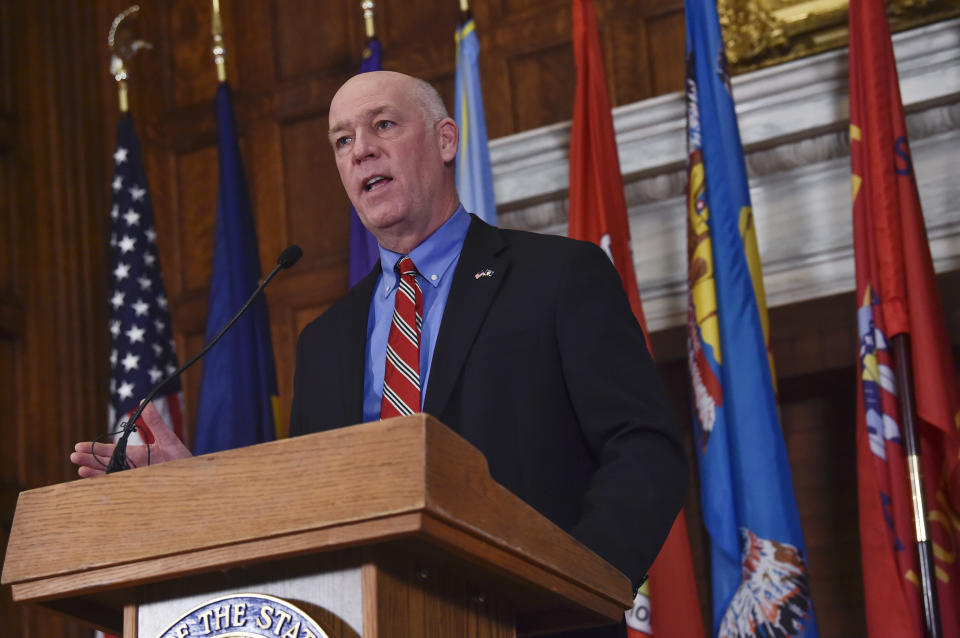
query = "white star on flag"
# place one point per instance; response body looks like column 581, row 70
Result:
column 114, row 212
column 127, row 244
column 151, row 235
column 122, row 271
column 141, row 307
column 135, row 334
column 115, row 328
column 120, row 156
column 162, row 301
column 145, row 283
column 137, row 193
column 149, row 258
column 117, row 300
column 155, row 374
column 117, row 183
column 125, row 390
column 130, row 362
column 132, row 217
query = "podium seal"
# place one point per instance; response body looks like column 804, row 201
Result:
column 245, row 616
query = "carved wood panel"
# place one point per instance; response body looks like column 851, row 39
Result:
column 296, row 22
column 316, row 203
column 11, row 313
column 53, row 193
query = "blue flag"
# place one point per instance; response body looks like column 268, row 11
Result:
column 363, row 245
column 761, row 584
column 238, row 393
column 474, row 177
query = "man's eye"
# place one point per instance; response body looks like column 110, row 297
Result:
column 383, row 125
column 341, row 141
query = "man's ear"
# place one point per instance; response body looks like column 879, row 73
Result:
column 449, row 136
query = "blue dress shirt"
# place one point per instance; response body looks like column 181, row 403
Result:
column 435, row 259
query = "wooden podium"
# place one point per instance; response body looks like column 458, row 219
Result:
column 385, row 529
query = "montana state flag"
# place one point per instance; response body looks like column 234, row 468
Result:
column 761, row 584
column 897, row 295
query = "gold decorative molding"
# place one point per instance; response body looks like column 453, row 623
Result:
column 749, row 29
column 760, row 33
column 900, row 7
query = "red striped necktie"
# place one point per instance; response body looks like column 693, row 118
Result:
column 401, row 376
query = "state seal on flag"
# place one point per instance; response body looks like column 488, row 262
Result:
column 245, row 616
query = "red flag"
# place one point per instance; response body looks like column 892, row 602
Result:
column 673, row 587
column 598, row 210
column 598, row 213
column 897, row 294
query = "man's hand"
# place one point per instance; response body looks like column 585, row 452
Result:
column 166, row 447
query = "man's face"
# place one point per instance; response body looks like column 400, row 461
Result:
column 391, row 160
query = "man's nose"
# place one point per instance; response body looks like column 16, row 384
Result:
column 364, row 146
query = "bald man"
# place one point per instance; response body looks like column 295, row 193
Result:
column 525, row 343
column 528, row 347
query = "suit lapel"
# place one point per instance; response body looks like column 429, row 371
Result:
column 352, row 348
column 470, row 298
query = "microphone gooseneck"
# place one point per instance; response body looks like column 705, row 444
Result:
column 118, row 460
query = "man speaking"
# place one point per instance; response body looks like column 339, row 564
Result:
column 524, row 344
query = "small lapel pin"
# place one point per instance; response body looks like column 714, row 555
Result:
column 486, row 272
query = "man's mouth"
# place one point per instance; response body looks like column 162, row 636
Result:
column 375, row 182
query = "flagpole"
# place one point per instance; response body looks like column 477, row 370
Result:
column 464, row 11
column 928, row 584
column 121, row 51
column 219, row 52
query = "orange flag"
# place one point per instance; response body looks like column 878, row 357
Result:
column 598, row 213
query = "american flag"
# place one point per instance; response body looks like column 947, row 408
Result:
column 142, row 350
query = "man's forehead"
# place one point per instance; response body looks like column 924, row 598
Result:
column 368, row 94
column 344, row 119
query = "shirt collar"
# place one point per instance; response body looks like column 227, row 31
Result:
column 433, row 257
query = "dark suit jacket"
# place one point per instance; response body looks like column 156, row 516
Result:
column 543, row 367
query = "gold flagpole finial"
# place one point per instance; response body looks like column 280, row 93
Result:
column 219, row 52
column 368, row 6
column 464, row 6
column 122, row 49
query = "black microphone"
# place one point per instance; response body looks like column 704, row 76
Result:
column 289, row 257
column 118, row 461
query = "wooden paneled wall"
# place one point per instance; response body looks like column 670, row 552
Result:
column 53, row 169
